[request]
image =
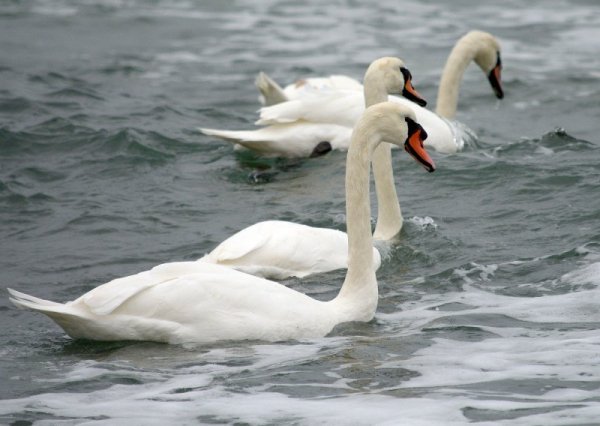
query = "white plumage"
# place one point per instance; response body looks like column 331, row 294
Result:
column 200, row 302
column 277, row 249
column 295, row 128
column 299, row 102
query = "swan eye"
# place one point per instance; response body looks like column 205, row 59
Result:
column 498, row 60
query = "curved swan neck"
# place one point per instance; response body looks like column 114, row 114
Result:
column 374, row 90
column 459, row 59
column 389, row 214
column 360, row 285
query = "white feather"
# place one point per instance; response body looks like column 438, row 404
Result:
column 201, row 302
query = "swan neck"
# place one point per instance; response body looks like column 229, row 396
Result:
column 359, row 290
column 454, row 70
column 389, row 214
column 374, row 90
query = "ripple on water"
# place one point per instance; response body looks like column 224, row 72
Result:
column 487, row 309
column 555, row 141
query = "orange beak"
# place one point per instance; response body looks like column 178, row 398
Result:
column 414, row 145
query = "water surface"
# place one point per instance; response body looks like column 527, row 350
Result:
column 488, row 308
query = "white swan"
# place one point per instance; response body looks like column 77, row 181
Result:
column 444, row 135
column 314, row 125
column 279, row 249
column 202, row 303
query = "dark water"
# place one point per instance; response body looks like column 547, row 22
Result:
column 489, row 305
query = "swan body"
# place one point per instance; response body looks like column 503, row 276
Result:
column 198, row 302
column 296, row 128
column 187, row 302
column 445, row 135
column 277, row 249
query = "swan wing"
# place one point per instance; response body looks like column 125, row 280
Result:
column 106, row 298
column 188, row 302
column 340, row 107
column 440, row 135
column 279, row 249
column 219, row 303
column 297, row 139
column 243, row 243
column 310, row 86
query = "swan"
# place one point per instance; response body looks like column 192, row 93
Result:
column 314, row 125
column 195, row 302
column 281, row 249
column 445, row 136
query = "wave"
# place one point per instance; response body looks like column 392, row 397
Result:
column 62, row 137
column 550, row 143
column 441, row 359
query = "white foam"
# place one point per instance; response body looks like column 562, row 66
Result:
column 522, row 356
column 156, row 404
column 423, row 222
column 520, row 353
column 126, row 405
column 571, row 308
column 550, row 363
column 483, row 272
column 589, row 274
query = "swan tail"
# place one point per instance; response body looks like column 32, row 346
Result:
column 26, row 301
column 281, row 140
column 60, row 313
column 250, row 139
column 233, row 136
column 259, row 140
column 271, row 93
column 80, row 324
column 285, row 112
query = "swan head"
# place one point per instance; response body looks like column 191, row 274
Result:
column 396, row 78
column 397, row 124
column 486, row 51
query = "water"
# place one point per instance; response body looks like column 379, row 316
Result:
column 488, row 306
